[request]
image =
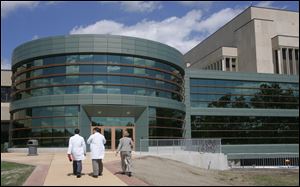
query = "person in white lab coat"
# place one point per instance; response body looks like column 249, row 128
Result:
column 97, row 141
column 77, row 149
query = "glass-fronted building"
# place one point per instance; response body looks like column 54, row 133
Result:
column 82, row 81
column 249, row 112
column 123, row 83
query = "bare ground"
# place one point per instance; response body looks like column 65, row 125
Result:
column 161, row 171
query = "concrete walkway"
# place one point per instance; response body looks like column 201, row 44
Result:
column 54, row 169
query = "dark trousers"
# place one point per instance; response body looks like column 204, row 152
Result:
column 97, row 166
column 77, row 167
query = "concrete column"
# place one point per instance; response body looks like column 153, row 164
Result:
column 280, row 65
column 287, row 61
column 223, row 64
column 294, row 62
column 230, row 64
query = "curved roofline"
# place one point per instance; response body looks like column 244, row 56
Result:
column 110, row 35
column 97, row 43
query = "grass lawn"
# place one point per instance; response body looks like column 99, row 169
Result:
column 13, row 174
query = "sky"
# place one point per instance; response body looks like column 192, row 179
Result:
column 180, row 24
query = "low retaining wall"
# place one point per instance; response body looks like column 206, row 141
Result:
column 217, row 161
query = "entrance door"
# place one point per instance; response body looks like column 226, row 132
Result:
column 114, row 134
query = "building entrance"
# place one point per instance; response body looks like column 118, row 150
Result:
column 113, row 135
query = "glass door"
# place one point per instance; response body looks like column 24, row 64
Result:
column 114, row 134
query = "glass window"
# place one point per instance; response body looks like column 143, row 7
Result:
column 127, row 90
column 113, row 69
column 140, row 81
column 57, row 80
column 58, row 90
column 85, row 89
column 139, row 71
column 100, row 89
column 150, row 63
column 36, row 72
column 127, row 80
column 140, row 91
column 86, row 58
column 58, row 121
column 100, row 58
column 58, row 111
column 126, row 60
column 58, row 132
column 113, row 59
column 46, row 91
column 48, row 61
column 60, row 59
column 113, row 90
column 139, row 61
column 5, row 93
column 113, row 79
column 54, row 70
column 126, row 70
column 100, row 79
column 45, row 111
column 72, row 79
column 38, row 62
column 46, row 122
column 72, row 58
column 86, row 79
column 71, row 89
column 86, row 68
column 99, row 68
column 72, row 69
column 71, row 121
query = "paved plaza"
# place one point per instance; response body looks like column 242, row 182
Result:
column 54, row 169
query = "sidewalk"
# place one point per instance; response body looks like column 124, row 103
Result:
column 54, row 169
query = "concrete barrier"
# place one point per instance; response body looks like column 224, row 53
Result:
column 216, row 161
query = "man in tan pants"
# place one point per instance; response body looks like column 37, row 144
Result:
column 125, row 147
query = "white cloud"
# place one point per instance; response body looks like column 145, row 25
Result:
column 5, row 64
column 269, row 4
column 182, row 33
column 137, row 6
column 35, row 37
column 9, row 6
column 218, row 19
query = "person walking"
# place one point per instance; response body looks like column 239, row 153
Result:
column 77, row 149
column 97, row 141
column 125, row 147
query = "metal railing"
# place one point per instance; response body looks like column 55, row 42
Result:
column 178, row 145
column 263, row 160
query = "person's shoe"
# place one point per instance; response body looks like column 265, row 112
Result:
column 95, row 176
column 129, row 174
column 78, row 176
column 100, row 174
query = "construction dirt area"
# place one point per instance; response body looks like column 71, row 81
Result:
column 159, row 171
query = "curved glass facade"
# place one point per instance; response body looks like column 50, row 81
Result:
column 83, row 85
column 97, row 74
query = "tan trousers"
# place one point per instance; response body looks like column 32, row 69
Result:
column 126, row 161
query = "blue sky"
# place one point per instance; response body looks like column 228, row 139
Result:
column 180, row 24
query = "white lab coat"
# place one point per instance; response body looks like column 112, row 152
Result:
column 97, row 142
column 77, row 147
